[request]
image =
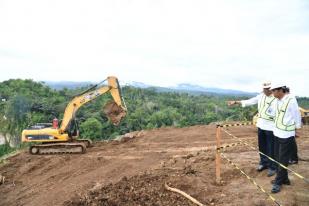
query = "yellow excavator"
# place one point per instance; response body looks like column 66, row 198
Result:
column 304, row 115
column 64, row 139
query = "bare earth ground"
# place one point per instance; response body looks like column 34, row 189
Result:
column 133, row 172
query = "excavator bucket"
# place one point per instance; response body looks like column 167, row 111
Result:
column 114, row 112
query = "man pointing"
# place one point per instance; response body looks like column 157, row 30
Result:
column 265, row 124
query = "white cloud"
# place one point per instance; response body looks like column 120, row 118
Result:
column 230, row 44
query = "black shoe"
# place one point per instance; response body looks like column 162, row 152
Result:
column 292, row 162
column 271, row 172
column 260, row 168
column 276, row 188
column 286, row 182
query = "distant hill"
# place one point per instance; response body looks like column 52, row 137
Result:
column 198, row 88
column 182, row 88
column 66, row 84
column 193, row 89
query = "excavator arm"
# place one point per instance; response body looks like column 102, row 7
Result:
column 118, row 105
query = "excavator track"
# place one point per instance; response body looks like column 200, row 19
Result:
column 58, row 148
column 87, row 142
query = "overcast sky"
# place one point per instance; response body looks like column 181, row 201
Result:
column 234, row 44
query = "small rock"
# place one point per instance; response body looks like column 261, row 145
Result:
column 129, row 135
column 141, row 133
column 188, row 156
column 189, row 170
column 2, row 179
column 124, row 179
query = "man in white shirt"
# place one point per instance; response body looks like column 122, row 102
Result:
column 265, row 124
column 294, row 153
column 287, row 120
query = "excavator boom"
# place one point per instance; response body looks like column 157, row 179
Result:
column 89, row 95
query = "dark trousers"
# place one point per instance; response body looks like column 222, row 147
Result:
column 271, row 142
column 276, row 152
column 284, row 154
column 266, row 143
column 294, row 155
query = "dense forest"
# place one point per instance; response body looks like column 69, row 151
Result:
column 25, row 102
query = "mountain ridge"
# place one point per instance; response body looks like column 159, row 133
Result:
column 183, row 87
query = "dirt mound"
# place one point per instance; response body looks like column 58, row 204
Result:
column 145, row 189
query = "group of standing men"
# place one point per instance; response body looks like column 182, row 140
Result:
column 278, row 121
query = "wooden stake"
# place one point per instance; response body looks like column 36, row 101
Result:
column 218, row 156
column 183, row 194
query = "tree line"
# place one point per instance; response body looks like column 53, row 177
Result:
column 26, row 102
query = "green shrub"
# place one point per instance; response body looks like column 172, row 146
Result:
column 6, row 149
column 91, row 128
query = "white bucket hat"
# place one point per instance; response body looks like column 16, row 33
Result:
column 277, row 85
column 266, row 85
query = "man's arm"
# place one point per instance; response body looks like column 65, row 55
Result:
column 245, row 103
column 296, row 114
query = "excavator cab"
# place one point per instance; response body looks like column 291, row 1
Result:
column 41, row 125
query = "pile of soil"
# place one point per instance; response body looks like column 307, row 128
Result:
column 143, row 190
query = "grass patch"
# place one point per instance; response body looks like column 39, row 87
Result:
column 6, row 149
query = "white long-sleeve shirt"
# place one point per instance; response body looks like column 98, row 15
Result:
column 261, row 123
column 291, row 116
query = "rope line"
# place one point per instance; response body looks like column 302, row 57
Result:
column 251, row 179
column 254, row 148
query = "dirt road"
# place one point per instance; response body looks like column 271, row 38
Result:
column 133, row 172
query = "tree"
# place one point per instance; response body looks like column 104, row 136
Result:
column 26, row 103
column 16, row 118
column 91, row 128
